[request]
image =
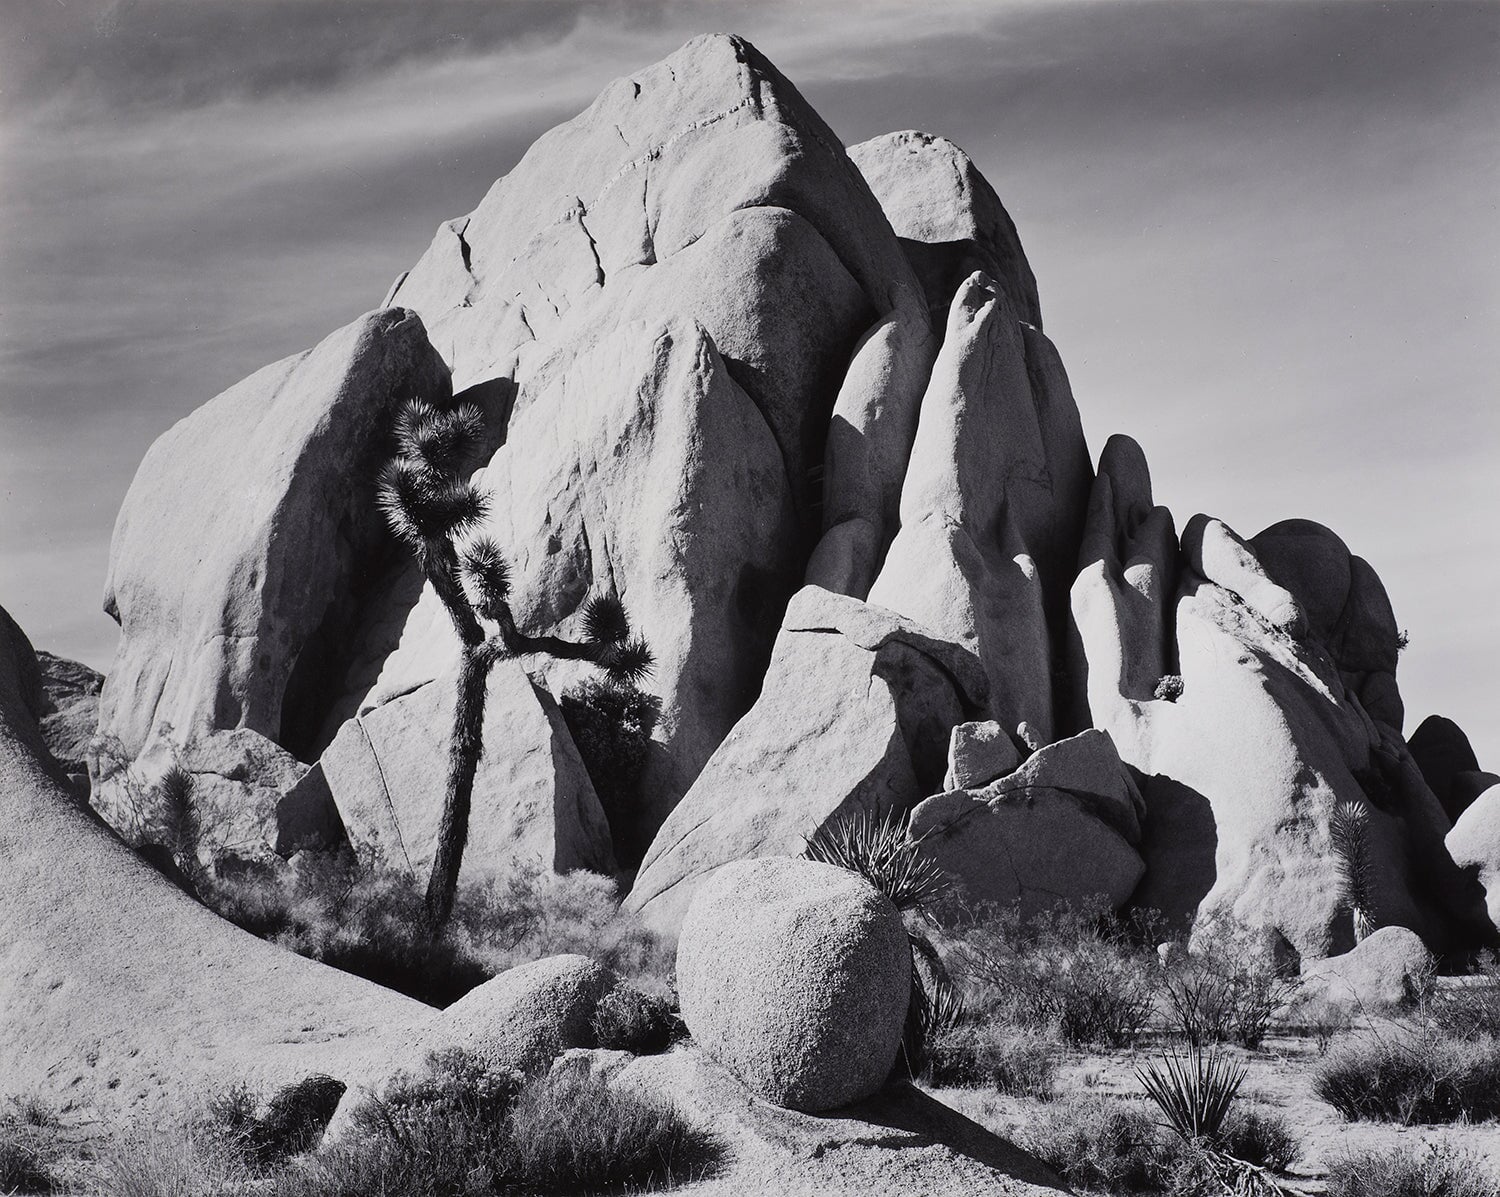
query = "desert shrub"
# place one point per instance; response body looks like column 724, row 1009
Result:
column 1220, row 994
column 457, row 1128
column 1021, row 1063
column 1439, row 1170
column 632, row 1020
column 1469, row 1008
column 574, row 1133
column 440, row 1132
column 292, row 1122
column 1261, row 1137
column 1081, row 974
column 29, row 1147
column 1099, row 1144
column 1411, row 1074
column 529, row 912
column 611, row 723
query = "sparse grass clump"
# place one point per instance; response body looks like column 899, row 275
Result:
column 1438, row 1170
column 1100, row 1145
column 1411, row 1074
column 573, row 1133
column 29, row 1148
column 1022, row 1063
column 1469, row 1007
column 1260, row 1137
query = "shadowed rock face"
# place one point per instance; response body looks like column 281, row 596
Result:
column 725, row 360
column 119, row 990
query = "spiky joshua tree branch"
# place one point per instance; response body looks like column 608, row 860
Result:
column 433, row 510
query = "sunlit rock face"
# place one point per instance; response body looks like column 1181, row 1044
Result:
column 793, row 405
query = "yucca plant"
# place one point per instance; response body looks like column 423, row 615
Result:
column 1349, row 833
column 1193, row 1090
column 884, row 854
column 882, row 851
column 433, row 510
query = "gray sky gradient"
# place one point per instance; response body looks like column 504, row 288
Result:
column 1267, row 237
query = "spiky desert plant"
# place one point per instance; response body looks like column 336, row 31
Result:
column 1349, row 833
column 1193, row 1090
column 433, row 510
column 884, row 854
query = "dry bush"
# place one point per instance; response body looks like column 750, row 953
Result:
column 1084, row 975
column 1022, row 1063
column 1470, row 1007
column 1222, row 993
column 1260, row 1137
column 632, row 1020
column 1439, row 1170
column 1411, row 1073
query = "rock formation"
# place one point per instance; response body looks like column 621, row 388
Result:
column 793, row 405
column 118, row 989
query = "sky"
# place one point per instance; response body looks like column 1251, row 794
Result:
column 1266, row 235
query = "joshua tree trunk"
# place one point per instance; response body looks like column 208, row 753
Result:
column 467, row 742
column 463, row 761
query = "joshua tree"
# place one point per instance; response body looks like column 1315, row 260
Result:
column 434, row 511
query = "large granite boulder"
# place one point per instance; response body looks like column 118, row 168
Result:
column 121, row 992
column 247, row 527
column 950, row 221
column 995, row 487
column 795, row 975
column 1061, row 830
column 1346, row 607
column 1474, row 843
column 1448, row 763
column 1384, row 970
column 855, row 714
column 386, row 773
column 239, row 780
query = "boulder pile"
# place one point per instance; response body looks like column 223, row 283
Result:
column 792, row 403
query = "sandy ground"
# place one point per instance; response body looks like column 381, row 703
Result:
column 1280, row 1077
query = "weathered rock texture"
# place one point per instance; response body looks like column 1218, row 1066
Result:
column 723, row 359
column 532, row 798
column 120, row 991
column 70, row 711
column 795, row 975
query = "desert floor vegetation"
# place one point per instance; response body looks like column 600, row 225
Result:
column 1069, row 1023
column 457, row 1129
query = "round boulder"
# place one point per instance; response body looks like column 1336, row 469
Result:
column 795, row 975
